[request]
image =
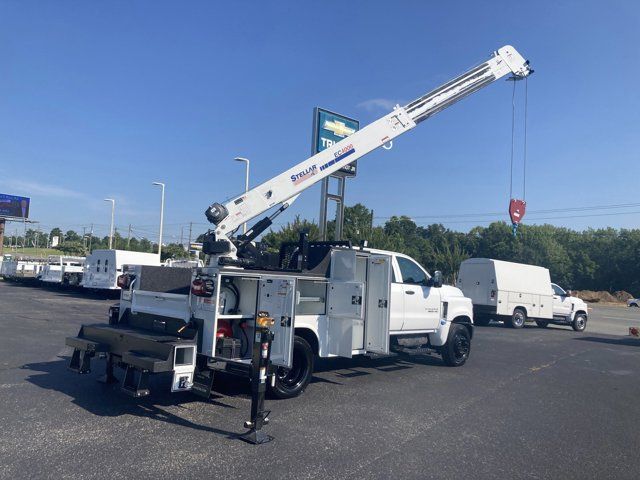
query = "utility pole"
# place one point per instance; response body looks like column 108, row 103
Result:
column 113, row 208
column 161, row 185
column 190, row 228
column 90, row 237
column 84, row 238
column 246, row 182
column 129, row 237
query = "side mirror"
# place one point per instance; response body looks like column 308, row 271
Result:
column 436, row 280
column 569, row 293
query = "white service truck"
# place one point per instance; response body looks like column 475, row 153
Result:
column 102, row 267
column 327, row 298
column 63, row 270
column 516, row 293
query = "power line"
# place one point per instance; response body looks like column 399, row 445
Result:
column 553, row 210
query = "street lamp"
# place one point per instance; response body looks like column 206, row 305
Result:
column 113, row 209
column 160, row 184
column 246, row 183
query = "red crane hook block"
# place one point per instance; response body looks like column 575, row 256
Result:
column 517, row 209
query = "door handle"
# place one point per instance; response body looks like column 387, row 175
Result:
column 409, row 292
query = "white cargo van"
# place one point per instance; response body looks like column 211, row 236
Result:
column 102, row 267
column 516, row 293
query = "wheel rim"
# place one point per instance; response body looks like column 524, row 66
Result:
column 518, row 319
column 292, row 378
column 461, row 346
column 581, row 322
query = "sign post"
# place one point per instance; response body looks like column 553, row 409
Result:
column 328, row 129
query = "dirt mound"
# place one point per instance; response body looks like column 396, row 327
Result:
column 622, row 296
column 602, row 296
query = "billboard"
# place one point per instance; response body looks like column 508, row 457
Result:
column 328, row 129
column 14, row 206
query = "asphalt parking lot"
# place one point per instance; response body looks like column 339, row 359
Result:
column 534, row 403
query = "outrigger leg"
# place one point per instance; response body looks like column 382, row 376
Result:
column 260, row 360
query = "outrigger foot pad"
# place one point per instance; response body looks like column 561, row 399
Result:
column 255, row 437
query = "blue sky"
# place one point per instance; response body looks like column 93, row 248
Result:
column 99, row 99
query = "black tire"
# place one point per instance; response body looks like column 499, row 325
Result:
column 579, row 322
column 542, row 323
column 481, row 321
column 518, row 319
column 292, row 382
column 458, row 347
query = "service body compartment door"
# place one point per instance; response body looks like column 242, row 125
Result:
column 344, row 316
column 376, row 324
column 277, row 296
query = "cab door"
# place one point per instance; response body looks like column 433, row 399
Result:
column 422, row 305
column 276, row 295
column 561, row 302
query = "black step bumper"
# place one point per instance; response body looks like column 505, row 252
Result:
column 140, row 352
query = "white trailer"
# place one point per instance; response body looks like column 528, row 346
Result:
column 23, row 268
column 102, row 267
column 8, row 267
column 517, row 293
column 63, row 270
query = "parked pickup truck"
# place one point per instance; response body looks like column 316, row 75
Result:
column 332, row 300
column 517, row 293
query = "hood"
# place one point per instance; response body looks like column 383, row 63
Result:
column 449, row 291
column 577, row 301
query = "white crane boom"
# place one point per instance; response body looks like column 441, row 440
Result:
column 284, row 188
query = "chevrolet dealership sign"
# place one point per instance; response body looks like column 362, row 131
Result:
column 328, row 129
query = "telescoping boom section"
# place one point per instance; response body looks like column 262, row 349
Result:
column 284, row 188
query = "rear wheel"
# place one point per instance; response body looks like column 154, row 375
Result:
column 291, row 382
column 456, row 351
column 518, row 318
column 579, row 322
column 542, row 323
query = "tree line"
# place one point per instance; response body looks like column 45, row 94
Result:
column 73, row 243
column 594, row 259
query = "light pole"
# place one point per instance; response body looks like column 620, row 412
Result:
column 246, row 183
column 113, row 209
column 160, row 184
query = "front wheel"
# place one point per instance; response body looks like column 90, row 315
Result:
column 291, row 382
column 456, row 351
column 579, row 322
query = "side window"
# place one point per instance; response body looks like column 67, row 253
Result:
column 411, row 272
column 98, row 266
column 557, row 290
column 106, row 264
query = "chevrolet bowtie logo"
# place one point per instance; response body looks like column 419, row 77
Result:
column 338, row 128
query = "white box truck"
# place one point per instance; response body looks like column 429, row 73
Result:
column 102, row 267
column 516, row 293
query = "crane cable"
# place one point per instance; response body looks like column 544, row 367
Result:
column 513, row 134
column 518, row 205
column 524, row 172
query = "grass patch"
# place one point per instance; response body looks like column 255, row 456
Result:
column 32, row 252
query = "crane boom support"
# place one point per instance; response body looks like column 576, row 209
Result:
column 285, row 187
